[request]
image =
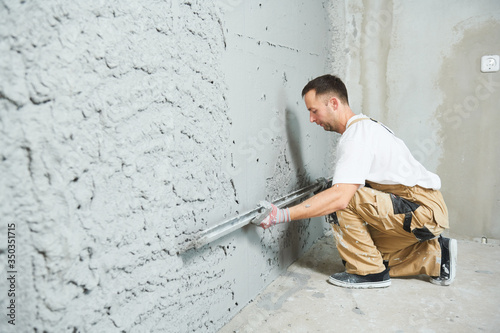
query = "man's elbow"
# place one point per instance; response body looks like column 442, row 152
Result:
column 346, row 195
column 342, row 204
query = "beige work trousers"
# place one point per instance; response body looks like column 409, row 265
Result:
column 392, row 223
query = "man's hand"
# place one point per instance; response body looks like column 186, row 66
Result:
column 275, row 216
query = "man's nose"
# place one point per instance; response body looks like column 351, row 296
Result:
column 311, row 118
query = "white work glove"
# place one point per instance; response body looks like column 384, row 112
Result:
column 272, row 215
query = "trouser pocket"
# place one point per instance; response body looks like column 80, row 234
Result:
column 408, row 209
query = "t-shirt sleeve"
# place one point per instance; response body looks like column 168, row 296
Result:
column 353, row 163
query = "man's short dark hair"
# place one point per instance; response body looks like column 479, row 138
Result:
column 327, row 84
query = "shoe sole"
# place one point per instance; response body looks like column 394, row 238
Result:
column 453, row 265
column 360, row 285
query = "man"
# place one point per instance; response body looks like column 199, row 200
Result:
column 385, row 208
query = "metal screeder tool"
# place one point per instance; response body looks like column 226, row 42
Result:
column 252, row 216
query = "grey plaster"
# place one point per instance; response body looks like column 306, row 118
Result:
column 127, row 128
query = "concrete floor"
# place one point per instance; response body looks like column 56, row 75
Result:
column 302, row 301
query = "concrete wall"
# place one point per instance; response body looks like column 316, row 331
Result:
column 126, row 129
column 415, row 65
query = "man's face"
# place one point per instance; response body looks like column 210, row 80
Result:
column 321, row 110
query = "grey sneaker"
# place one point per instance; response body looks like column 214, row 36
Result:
column 448, row 262
column 353, row 281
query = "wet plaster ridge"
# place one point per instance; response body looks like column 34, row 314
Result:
column 94, row 159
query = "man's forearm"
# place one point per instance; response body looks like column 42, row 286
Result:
column 331, row 200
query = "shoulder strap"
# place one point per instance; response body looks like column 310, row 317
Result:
column 378, row 122
column 355, row 121
column 360, row 119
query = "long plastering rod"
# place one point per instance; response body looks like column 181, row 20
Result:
column 232, row 224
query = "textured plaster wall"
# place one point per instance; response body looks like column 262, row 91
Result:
column 125, row 129
column 273, row 50
column 415, row 65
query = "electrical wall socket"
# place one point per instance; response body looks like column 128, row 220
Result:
column 490, row 63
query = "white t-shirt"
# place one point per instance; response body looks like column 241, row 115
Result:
column 369, row 151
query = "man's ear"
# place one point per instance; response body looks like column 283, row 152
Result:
column 334, row 102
